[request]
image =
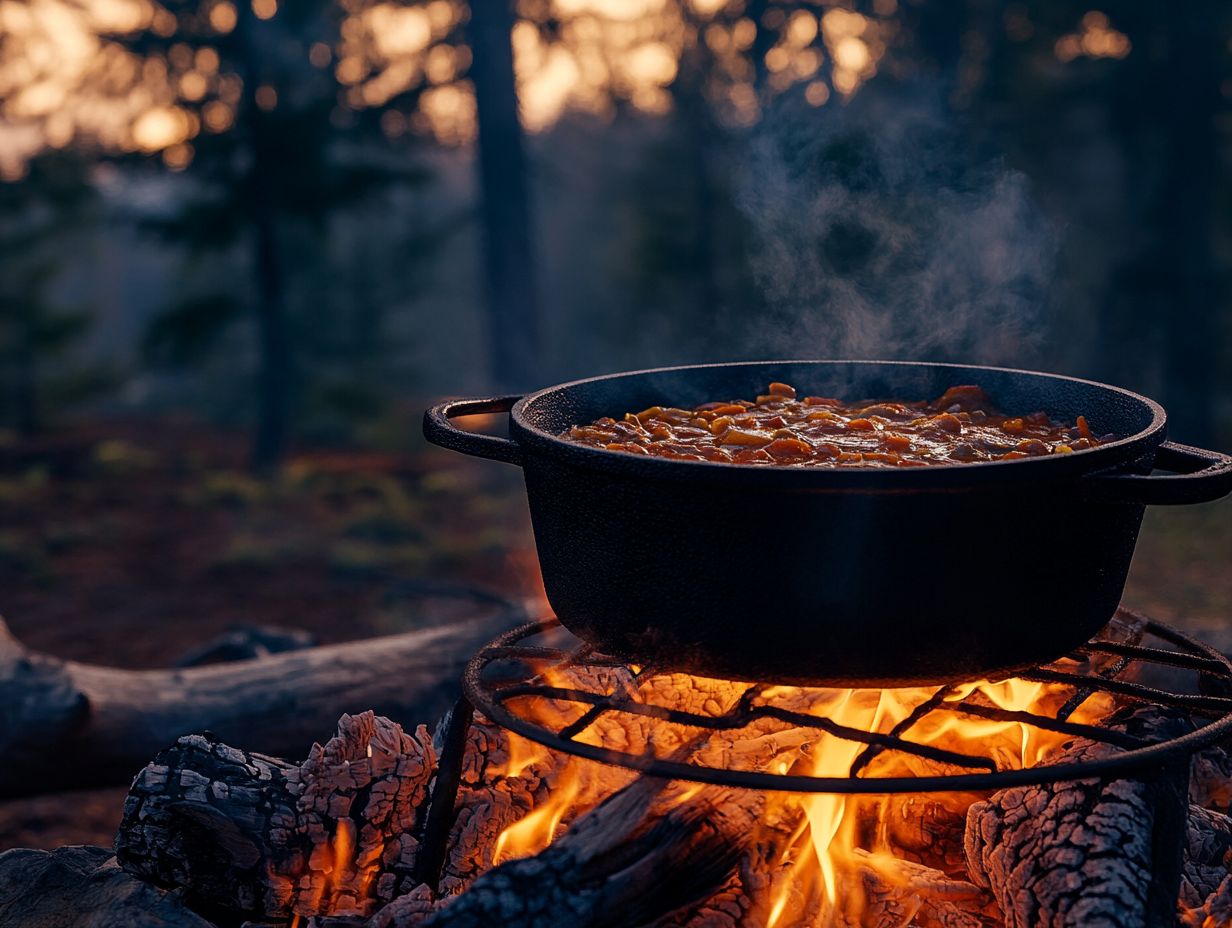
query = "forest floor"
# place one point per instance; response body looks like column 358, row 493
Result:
column 135, row 543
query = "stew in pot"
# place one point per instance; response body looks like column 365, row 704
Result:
column 779, row 427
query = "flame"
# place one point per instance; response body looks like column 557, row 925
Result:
column 570, row 779
column 534, row 832
column 826, row 852
column 348, row 876
column 821, row 843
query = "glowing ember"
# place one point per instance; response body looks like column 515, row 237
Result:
column 823, row 845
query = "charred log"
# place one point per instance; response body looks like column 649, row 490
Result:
column 639, row 855
column 266, row 837
column 1210, row 780
column 1078, row 852
column 1208, row 855
column 1216, row 910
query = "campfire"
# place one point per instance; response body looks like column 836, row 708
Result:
column 570, row 788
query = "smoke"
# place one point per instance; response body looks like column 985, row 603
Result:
column 879, row 233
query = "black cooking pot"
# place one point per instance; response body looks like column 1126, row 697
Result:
column 836, row 576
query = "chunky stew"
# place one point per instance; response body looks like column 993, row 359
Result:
column 779, row 427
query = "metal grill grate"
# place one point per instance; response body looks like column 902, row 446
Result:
column 506, row 679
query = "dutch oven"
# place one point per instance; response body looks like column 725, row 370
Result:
column 836, row 576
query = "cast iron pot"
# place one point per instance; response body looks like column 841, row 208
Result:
column 844, row 576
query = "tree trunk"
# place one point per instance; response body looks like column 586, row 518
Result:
column 1187, row 200
column 273, row 343
column 510, row 273
column 25, row 384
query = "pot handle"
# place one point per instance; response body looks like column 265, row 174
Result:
column 440, row 431
column 1200, row 476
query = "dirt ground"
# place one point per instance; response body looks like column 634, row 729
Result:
column 132, row 545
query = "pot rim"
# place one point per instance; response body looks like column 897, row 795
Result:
column 1058, row 468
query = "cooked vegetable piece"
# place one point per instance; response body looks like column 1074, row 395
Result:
column 962, row 426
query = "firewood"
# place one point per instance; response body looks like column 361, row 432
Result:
column 1068, row 853
column 119, row 719
column 898, row 892
column 1208, row 855
column 266, row 837
column 339, row 832
column 1210, row 779
column 264, row 832
column 1077, row 854
column 1214, row 912
column 639, row 855
column 724, row 908
column 490, row 800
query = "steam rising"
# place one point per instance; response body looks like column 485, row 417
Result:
column 878, row 235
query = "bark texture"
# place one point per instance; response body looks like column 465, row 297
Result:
column 271, row 838
column 121, row 718
column 1073, row 853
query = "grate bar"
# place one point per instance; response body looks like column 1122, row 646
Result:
column 500, row 699
column 1194, row 703
column 615, row 701
column 1160, row 656
column 1084, row 693
column 869, row 753
column 1061, row 726
column 736, row 721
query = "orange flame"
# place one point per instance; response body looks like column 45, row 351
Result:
column 822, row 841
column 347, row 877
column 537, row 830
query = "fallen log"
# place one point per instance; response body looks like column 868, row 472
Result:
column 119, row 719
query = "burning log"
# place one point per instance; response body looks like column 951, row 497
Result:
column 1068, row 854
column 1208, row 855
column 1077, row 852
column 121, row 718
column 928, row 829
column 1216, row 910
column 725, row 908
column 336, row 834
column 898, row 892
column 270, row 838
column 1210, row 781
column 636, row 857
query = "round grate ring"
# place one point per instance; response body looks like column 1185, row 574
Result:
column 505, row 678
